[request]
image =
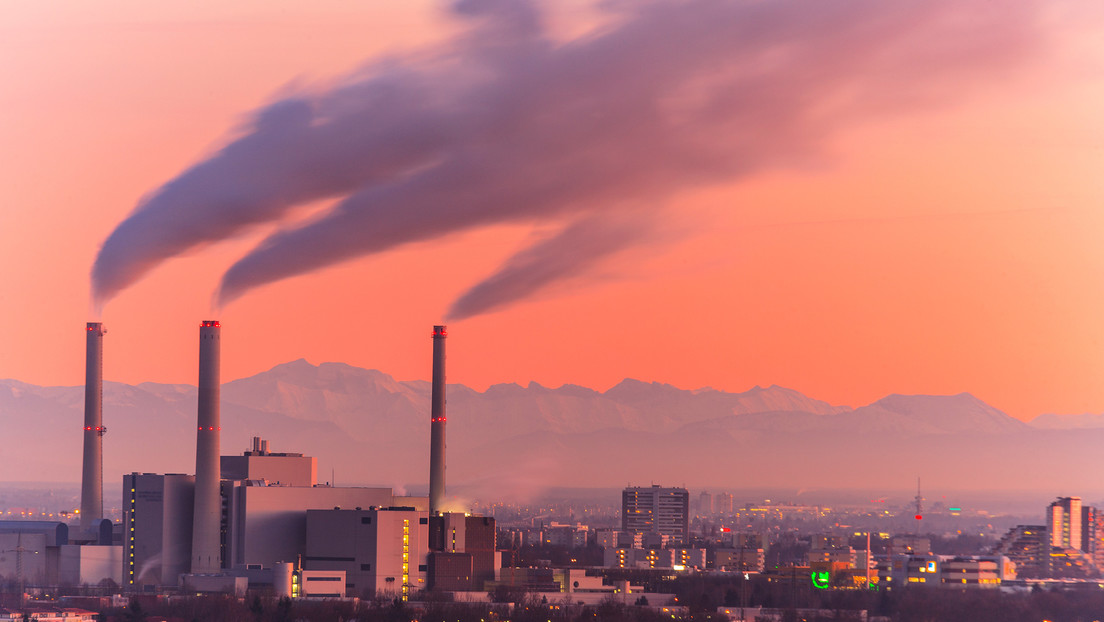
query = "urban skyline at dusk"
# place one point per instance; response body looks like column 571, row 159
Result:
column 753, row 310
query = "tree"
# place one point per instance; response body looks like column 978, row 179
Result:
column 283, row 609
column 134, row 612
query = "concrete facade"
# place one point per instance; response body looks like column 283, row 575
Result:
column 157, row 528
column 437, row 424
column 285, row 469
column 268, row 524
column 83, row 564
column 92, row 470
column 381, row 550
column 28, row 556
column 456, row 533
column 1064, row 523
column 206, row 551
column 664, row 511
column 654, row 558
column 740, row 560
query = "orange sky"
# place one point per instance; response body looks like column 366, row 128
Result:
column 954, row 248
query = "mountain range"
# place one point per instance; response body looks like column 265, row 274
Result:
column 365, row 427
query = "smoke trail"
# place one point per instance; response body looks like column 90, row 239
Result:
column 298, row 150
column 568, row 253
column 504, row 124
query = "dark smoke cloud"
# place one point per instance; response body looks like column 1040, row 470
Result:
column 504, row 124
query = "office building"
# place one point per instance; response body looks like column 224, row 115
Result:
column 656, row 510
column 1064, row 523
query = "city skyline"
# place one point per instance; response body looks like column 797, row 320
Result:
column 941, row 246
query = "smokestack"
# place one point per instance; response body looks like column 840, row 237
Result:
column 437, row 424
column 92, row 473
column 206, row 543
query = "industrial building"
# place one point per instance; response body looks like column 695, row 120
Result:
column 464, row 556
column 157, row 527
column 379, row 549
column 262, row 522
column 258, row 517
column 42, row 552
column 268, row 510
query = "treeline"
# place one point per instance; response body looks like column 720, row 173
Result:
column 226, row 609
column 908, row 605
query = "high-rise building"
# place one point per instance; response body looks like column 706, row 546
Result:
column 1092, row 534
column 1064, row 523
column 723, row 503
column 656, row 510
column 705, row 503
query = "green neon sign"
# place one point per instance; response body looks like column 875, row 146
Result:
column 821, row 579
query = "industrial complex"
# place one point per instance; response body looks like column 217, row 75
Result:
column 257, row 519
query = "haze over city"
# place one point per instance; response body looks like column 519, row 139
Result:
column 920, row 217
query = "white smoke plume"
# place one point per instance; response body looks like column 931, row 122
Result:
column 591, row 137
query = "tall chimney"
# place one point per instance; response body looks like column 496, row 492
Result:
column 92, row 473
column 206, row 542
column 437, row 424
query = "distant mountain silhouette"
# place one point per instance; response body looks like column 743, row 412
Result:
column 366, row 427
column 1068, row 422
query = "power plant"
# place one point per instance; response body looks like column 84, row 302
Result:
column 249, row 519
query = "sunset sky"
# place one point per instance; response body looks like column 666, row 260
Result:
column 879, row 204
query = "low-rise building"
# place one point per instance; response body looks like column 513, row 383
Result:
column 740, row 560
column 973, row 571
